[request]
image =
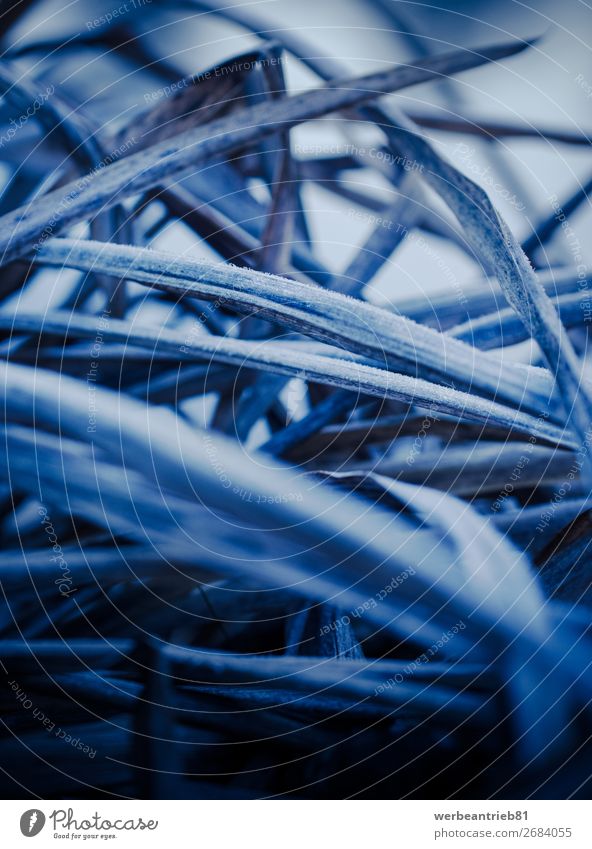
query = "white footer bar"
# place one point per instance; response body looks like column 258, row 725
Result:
column 295, row 824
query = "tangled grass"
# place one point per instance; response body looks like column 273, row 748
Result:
column 264, row 533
